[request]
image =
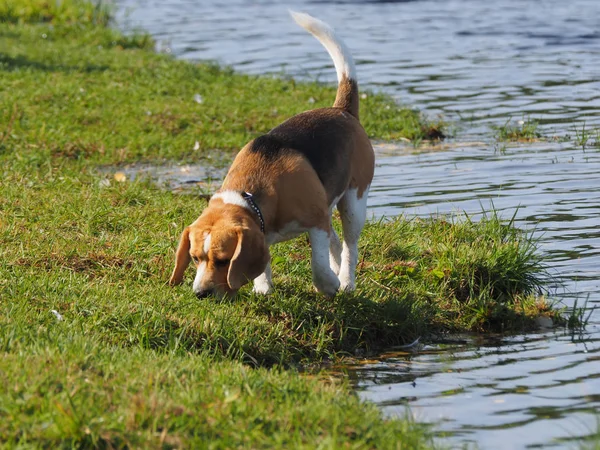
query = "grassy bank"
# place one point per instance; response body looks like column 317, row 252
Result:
column 66, row 390
column 133, row 360
column 96, row 350
column 100, row 255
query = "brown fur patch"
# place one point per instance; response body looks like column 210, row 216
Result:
column 330, row 140
column 347, row 96
column 363, row 163
column 287, row 189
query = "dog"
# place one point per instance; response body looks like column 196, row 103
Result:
column 286, row 183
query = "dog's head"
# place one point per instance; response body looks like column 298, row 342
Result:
column 227, row 251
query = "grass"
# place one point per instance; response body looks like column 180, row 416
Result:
column 525, row 130
column 77, row 245
column 133, row 361
column 579, row 316
column 92, row 93
column 592, row 442
column 68, row 391
column 126, row 361
column 583, row 137
column 71, row 12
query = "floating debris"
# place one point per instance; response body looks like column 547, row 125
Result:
column 120, row 177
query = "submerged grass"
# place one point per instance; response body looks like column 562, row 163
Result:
column 586, row 138
column 526, row 130
column 98, row 352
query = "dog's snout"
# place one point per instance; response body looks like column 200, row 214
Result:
column 203, row 293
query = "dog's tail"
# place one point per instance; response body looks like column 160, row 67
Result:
column 347, row 93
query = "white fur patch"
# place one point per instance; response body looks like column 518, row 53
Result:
column 342, row 59
column 197, row 286
column 263, row 284
column 232, row 198
column 288, row 231
column 206, row 246
column 335, row 252
column 353, row 211
column 335, row 246
column 335, row 201
column 324, row 279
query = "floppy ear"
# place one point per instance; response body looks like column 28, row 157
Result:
column 249, row 259
column 182, row 258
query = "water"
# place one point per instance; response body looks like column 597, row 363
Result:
column 477, row 64
column 507, row 392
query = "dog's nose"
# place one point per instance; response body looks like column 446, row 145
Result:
column 203, row 293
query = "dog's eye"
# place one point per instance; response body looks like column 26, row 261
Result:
column 221, row 262
column 196, row 260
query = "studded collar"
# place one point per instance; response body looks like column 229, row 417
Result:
column 252, row 204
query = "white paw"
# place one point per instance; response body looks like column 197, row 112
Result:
column 347, row 283
column 263, row 284
column 262, row 287
column 347, row 287
column 326, row 283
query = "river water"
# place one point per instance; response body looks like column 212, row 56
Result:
column 477, row 64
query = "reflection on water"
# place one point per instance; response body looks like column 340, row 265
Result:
column 497, row 393
column 477, row 63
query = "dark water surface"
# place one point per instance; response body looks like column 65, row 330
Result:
column 477, row 63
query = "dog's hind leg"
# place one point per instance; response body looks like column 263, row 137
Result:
column 335, row 251
column 353, row 211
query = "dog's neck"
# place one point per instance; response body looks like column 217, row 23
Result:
column 247, row 201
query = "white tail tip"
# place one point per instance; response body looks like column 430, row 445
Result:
column 340, row 54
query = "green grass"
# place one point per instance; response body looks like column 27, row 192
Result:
column 525, row 130
column 135, row 363
column 56, row 12
column 75, row 246
column 592, row 442
column 67, row 390
column 91, row 93
column 133, row 357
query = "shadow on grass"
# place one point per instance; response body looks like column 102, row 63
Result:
column 352, row 320
column 285, row 328
column 15, row 63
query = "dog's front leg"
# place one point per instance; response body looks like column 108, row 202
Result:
column 263, row 284
column 324, row 279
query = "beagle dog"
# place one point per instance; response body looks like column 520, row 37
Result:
column 286, row 183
